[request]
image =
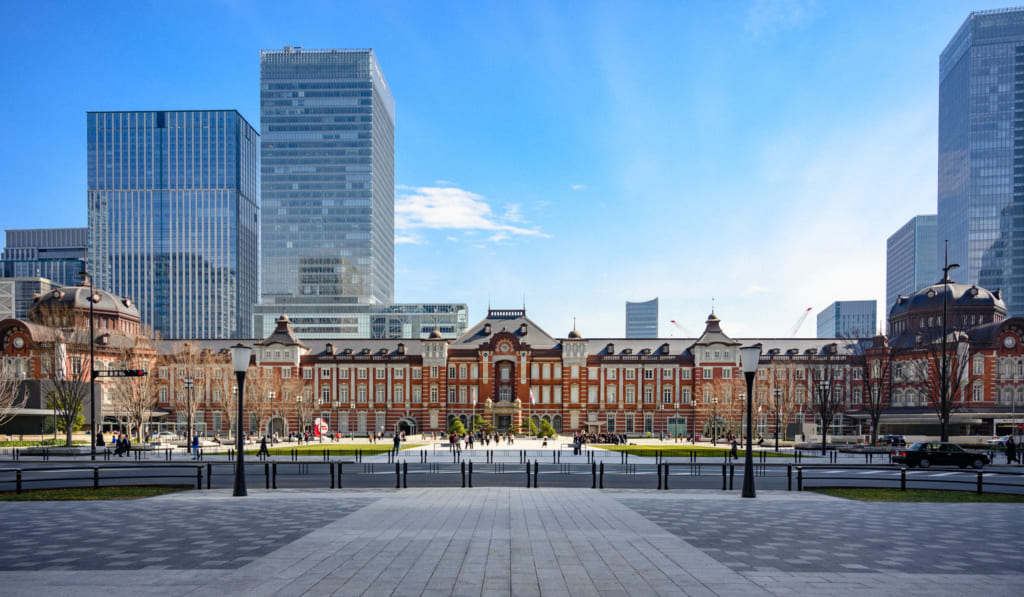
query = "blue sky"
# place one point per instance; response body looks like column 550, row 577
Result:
column 578, row 154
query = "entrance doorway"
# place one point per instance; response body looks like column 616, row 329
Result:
column 408, row 426
column 503, row 422
column 277, row 426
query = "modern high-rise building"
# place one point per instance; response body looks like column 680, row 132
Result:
column 328, row 185
column 910, row 259
column 173, row 217
column 642, row 319
column 373, row 322
column 981, row 153
column 848, row 319
column 57, row 254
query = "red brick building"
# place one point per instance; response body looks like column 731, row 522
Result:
column 506, row 368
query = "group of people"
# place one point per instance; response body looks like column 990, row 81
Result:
column 456, row 441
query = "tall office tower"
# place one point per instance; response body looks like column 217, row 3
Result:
column 981, row 153
column 642, row 319
column 848, row 319
column 910, row 259
column 328, row 185
column 57, row 254
column 173, row 217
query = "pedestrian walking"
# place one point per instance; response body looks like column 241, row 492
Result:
column 263, row 453
column 397, row 443
column 734, row 453
column 195, row 447
column 1011, row 451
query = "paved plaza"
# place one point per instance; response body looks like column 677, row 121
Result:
column 509, row 541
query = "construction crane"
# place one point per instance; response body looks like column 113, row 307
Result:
column 800, row 322
column 686, row 333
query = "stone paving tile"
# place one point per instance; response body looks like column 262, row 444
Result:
column 505, row 542
column 130, row 534
column 843, row 535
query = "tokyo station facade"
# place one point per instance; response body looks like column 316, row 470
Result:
column 507, row 369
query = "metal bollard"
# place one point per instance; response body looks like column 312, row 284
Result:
column 330, row 465
column 789, row 477
column 527, row 475
column 903, row 479
column 209, row 475
column 724, row 476
column 979, row 482
column 732, row 475
column 799, row 478
column 339, row 475
column 593, row 475
column 266, row 473
column 199, row 477
column 398, row 476
column 462, row 468
column 18, row 480
column 659, row 476
column 273, row 475
column 405, row 474
column 471, row 474
column 95, row 477
column 536, row 473
column 601, row 478
column 666, row 476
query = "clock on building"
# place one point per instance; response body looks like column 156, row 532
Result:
column 1010, row 341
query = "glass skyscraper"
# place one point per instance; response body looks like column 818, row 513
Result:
column 57, row 254
column 328, row 186
column 981, row 153
column 848, row 319
column 642, row 319
column 910, row 259
column 173, row 216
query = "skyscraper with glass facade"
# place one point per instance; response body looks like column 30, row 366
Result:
column 173, row 217
column 328, row 185
column 981, row 153
column 642, row 319
column 848, row 319
column 910, row 259
column 57, row 254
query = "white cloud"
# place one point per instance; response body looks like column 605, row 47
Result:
column 766, row 17
column 579, row 187
column 408, row 240
column 450, row 208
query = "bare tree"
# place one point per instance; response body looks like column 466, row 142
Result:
column 292, row 390
column 64, row 360
column 874, row 365
column 824, row 398
column 722, row 406
column 259, row 386
column 781, row 398
column 939, row 369
column 135, row 397
column 187, row 370
column 224, row 386
column 11, row 394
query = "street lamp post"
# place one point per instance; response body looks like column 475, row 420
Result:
column 750, row 357
column 93, row 299
column 188, row 413
column 778, row 414
column 240, row 354
column 944, row 384
column 823, row 394
column 714, row 420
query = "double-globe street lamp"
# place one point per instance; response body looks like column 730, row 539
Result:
column 778, row 414
column 240, row 355
column 188, row 383
column 94, row 298
column 750, row 356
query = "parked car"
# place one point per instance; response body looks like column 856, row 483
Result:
column 998, row 442
column 892, row 440
column 925, row 454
